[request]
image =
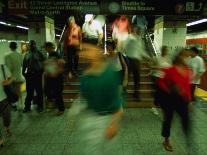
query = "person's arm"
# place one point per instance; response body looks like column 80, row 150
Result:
column 80, row 38
column 100, row 34
column 24, row 65
column 114, row 124
column 125, row 67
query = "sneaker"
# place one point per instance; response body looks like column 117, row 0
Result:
column 167, row 146
column 1, row 143
column 8, row 132
column 75, row 74
column 154, row 110
column 70, row 76
column 26, row 110
column 14, row 107
column 40, row 110
column 59, row 113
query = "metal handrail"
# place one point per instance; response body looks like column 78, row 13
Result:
column 148, row 36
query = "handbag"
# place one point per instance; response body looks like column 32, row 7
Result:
column 12, row 96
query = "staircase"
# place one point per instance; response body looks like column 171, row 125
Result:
column 72, row 87
column 72, row 90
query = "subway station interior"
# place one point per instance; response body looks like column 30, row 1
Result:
column 103, row 77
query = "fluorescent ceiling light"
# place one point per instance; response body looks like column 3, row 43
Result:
column 3, row 23
column 22, row 27
column 197, row 22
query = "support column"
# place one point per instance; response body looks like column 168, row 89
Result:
column 170, row 32
column 42, row 30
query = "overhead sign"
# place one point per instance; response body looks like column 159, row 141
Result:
column 151, row 7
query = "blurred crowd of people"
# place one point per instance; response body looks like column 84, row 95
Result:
column 104, row 82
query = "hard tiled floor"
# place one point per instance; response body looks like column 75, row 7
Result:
column 47, row 134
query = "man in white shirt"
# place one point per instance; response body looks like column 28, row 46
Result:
column 198, row 67
column 13, row 61
column 92, row 30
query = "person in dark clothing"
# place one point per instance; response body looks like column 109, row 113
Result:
column 32, row 71
column 176, row 95
column 54, row 67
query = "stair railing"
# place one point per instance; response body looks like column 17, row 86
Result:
column 150, row 42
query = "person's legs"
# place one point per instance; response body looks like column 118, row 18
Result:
column 182, row 110
column 58, row 94
column 193, row 87
column 76, row 60
column 136, row 76
column 30, row 93
column 70, row 54
column 48, row 88
column 168, row 111
column 6, row 116
column 39, row 91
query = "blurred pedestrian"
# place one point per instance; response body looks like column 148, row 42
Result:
column 135, row 52
column 197, row 64
column 33, row 71
column 100, row 120
column 176, row 95
column 118, row 63
column 92, row 30
column 140, row 22
column 54, row 68
column 13, row 61
column 73, row 43
column 159, row 63
column 4, row 105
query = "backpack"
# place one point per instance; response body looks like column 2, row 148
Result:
column 35, row 62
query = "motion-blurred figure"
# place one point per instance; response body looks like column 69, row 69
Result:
column 140, row 22
column 121, row 30
column 198, row 66
column 92, row 30
column 54, row 68
column 73, row 43
column 176, row 95
column 13, row 61
column 24, row 48
column 133, row 49
column 159, row 63
column 4, row 105
column 32, row 71
column 99, row 123
column 116, row 59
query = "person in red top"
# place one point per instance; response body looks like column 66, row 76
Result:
column 176, row 95
column 73, row 43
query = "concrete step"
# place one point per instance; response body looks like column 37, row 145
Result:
column 76, row 85
column 145, row 103
column 143, row 93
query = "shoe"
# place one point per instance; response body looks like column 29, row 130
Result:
column 26, row 110
column 40, row 110
column 59, row 113
column 70, row 76
column 8, row 132
column 167, row 146
column 14, row 107
column 154, row 110
column 136, row 96
column 1, row 143
column 75, row 74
